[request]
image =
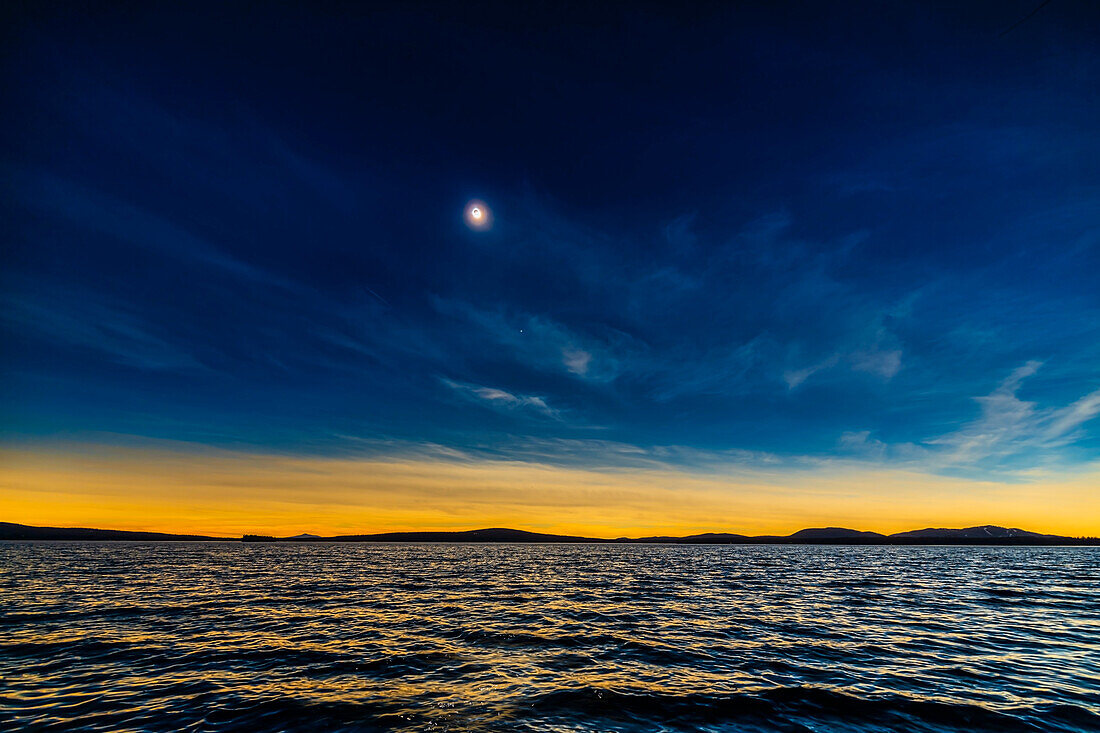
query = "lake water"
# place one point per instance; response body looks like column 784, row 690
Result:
column 233, row 636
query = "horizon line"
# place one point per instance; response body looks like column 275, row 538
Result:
column 867, row 534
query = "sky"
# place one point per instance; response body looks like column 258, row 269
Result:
column 749, row 268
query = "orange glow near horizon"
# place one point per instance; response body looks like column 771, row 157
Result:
column 225, row 493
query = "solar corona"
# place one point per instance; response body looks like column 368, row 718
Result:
column 478, row 216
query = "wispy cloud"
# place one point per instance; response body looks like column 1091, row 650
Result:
column 542, row 343
column 576, row 360
column 120, row 336
column 1010, row 435
column 500, row 399
column 1009, row 426
column 1064, row 422
column 795, row 377
column 884, row 364
column 104, row 214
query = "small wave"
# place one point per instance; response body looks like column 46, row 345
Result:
column 792, row 704
column 547, row 638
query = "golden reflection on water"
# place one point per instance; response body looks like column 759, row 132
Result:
column 537, row 637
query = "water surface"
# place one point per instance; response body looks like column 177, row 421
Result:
column 435, row 637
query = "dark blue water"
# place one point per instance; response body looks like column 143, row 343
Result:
column 228, row 636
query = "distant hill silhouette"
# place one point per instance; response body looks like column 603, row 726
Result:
column 986, row 531
column 707, row 538
column 834, row 533
column 9, row 531
column 495, row 534
column 982, row 535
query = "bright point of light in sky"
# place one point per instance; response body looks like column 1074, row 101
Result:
column 478, row 215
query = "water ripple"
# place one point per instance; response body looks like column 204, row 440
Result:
column 364, row 637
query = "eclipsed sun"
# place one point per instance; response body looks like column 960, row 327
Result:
column 478, row 215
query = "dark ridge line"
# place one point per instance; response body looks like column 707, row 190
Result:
column 981, row 535
column 10, row 531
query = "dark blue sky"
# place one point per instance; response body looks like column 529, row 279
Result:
column 772, row 233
